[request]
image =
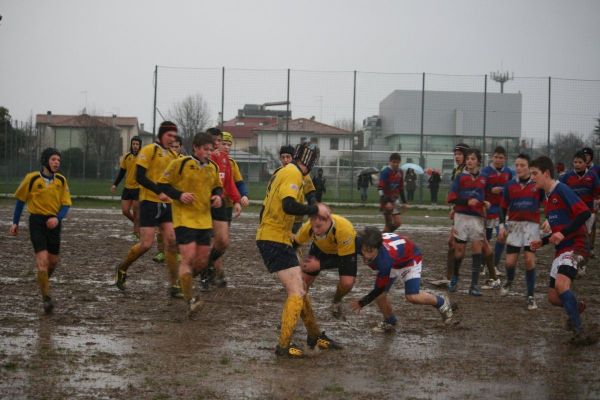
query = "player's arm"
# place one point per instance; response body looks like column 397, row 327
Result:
column 142, row 179
column 292, row 207
column 576, row 223
column 383, row 278
column 119, row 177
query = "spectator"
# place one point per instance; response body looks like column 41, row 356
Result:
column 434, row 185
column 411, row 183
column 319, row 182
column 364, row 180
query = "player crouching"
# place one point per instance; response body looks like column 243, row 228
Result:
column 393, row 257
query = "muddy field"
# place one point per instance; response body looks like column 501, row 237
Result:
column 102, row 343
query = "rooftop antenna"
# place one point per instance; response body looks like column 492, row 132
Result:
column 502, row 77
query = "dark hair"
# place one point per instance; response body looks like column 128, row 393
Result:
column 46, row 154
column 525, row 157
column 473, row 151
column 461, row 147
column 134, row 139
column 214, row 131
column 166, row 126
column 286, row 149
column 500, row 150
column 395, row 157
column 178, row 139
column 560, row 167
column 580, row 154
column 544, row 164
column 201, row 138
column 588, row 151
column 371, row 238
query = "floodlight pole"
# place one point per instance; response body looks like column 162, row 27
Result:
column 501, row 78
column 421, row 159
column 154, row 109
column 352, row 142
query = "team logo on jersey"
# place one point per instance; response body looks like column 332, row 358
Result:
column 294, row 187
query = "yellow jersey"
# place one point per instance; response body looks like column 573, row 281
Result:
column 275, row 225
column 236, row 174
column 128, row 164
column 307, row 188
column 186, row 174
column 155, row 159
column 44, row 196
column 339, row 240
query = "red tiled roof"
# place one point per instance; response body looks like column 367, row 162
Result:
column 250, row 124
column 306, row 125
column 83, row 120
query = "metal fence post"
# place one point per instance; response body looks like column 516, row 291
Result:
column 154, row 109
column 421, row 158
column 484, row 117
column 352, row 139
column 222, row 97
column 549, row 112
column 287, row 111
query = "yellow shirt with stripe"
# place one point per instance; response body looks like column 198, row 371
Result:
column 339, row 240
column 155, row 159
column 187, row 174
column 128, row 164
column 307, row 188
column 44, row 197
column 237, row 177
column 275, row 225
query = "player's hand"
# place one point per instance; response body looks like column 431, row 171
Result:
column 487, row 205
column 310, row 264
column 473, row 202
column 355, row 306
column 215, row 201
column 164, row 198
column 237, row 210
column 14, row 230
column 52, row 222
column 245, row 202
column 323, row 211
column 187, row 198
column 556, row 238
column 502, row 233
column 535, row 244
column 113, row 189
column 546, row 227
column 497, row 190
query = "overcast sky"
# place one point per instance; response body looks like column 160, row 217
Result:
column 58, row 55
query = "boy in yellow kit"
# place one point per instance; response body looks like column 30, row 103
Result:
column 130, row 198
column 47, row 196
column 194, row 183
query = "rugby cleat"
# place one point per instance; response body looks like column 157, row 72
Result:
column 48, row 305
column 531, row 304
column 194, row 305
column 219, row 279
column 323, row 342
column 492, row 284
column 337, row 310
column 446, row 311
column 505, row 289
column 120, row 278
column 292, row 351
column 159, row 257
column 384, row 327
column 453, row 285
column 175, row 292
column 474, row 291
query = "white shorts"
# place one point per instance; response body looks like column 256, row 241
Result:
column 522, row 233
column 468, row 228
column 567, row 258
column 492, row 223
column 590, row 223
column 407, row 273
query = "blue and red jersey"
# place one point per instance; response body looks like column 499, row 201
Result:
column 522, row 200
column 562, row 205
column 594, row 168
column 468, row 186
column 586, row 186
column 391, row 182
column 495, row 178
column 397, row 252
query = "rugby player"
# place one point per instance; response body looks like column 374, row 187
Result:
column 391, row 193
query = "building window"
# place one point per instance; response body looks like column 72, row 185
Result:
column 334, row 144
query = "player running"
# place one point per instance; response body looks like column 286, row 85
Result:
column 394, row 256
column 520, row 225
column 333, row 247
column 47, row 196
column 131, row 191
column 155, row 207
column 566, row 214
column 391, row 193
column 467, row 195
column 194, row 183
column 273, row 239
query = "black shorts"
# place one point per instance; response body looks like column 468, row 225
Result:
column 277, row 256
column 333, row 261
column 130, row 194
column 185, row 235
column 220, row 214
column 41, row 237
column 515, row 250
column 565, row 270
column 153, row 214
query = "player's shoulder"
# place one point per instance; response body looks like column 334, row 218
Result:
column 232, row 161
column 60, row 177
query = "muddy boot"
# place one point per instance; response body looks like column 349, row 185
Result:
column 48, row 305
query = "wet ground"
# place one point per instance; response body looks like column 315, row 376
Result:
column 102, row 343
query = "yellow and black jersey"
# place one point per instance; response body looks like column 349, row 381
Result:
column 275, row 225
column 155, row 159
column 339, row 240
column 457, row 171
column 128, row 164
column 308, row 187
column 187, row 174
column 44, row 196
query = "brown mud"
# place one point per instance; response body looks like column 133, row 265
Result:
column 103, row 343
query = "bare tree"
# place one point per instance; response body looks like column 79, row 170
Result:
column 103, row 138
column 346, row 124
column 191, row 115
column 565, row 146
